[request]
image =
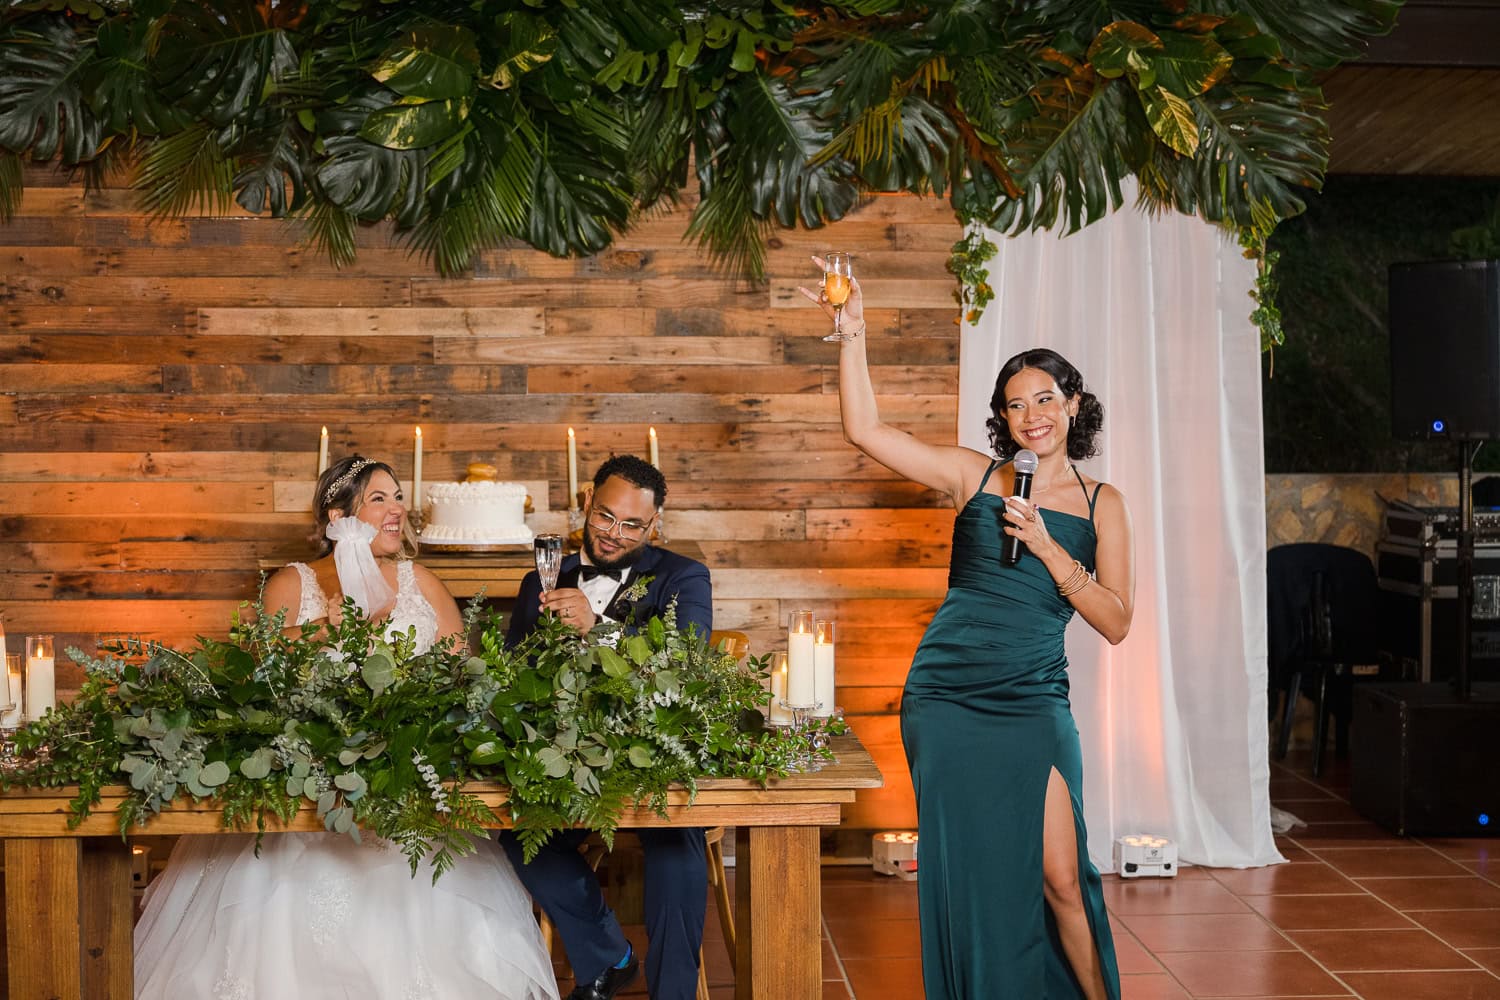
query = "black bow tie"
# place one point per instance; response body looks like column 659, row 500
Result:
column 589, row 572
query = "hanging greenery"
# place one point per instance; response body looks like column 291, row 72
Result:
column 472, row 123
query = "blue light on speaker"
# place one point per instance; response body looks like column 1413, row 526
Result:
column 1484, row 819
column 1438, row 426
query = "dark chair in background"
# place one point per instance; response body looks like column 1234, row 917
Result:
column 1321, row 605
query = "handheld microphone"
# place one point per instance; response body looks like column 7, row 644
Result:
column 1025, row 466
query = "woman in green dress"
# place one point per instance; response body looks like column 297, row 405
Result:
column 1011, row 906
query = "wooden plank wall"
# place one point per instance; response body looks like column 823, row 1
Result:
column 162, row 384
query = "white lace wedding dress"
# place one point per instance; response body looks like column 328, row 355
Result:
column 318, row 916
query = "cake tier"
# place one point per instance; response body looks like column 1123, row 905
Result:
column 483, row 513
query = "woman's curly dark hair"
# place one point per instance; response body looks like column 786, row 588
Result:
column 1083, row 432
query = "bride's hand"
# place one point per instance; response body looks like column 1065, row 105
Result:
column 854, row 306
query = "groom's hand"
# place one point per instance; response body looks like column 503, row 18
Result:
column 570, row 604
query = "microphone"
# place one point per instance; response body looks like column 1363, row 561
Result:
column 1025, row 466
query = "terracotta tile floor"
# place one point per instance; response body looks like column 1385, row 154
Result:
column 1356, row 913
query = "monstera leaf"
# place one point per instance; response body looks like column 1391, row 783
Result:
column 41, row 99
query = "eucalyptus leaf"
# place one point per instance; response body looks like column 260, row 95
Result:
column 378, row 672
column 641, row 755
column 256, row 766
column 214, row 774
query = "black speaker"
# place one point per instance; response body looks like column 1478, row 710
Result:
column 1445, row 349
column 1423, row 762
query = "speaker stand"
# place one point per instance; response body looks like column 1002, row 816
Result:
column 1462, row 682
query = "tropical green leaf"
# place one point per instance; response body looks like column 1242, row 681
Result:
column 187, row 171
column 219, row 60
column 525, row 43
column 120, row 88
column 1117, row 48
column 1321, row 34
column 1068, row 160
column 365, row 179
column 1190, row 64
column 41, row 99
column 431, row 62
column 1171, row 119
column 415, row 126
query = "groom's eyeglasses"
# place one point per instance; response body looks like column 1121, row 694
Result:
column 606, row 523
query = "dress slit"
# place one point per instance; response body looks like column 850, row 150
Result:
column 1084, row 869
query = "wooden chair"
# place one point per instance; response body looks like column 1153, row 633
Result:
column 736, row 644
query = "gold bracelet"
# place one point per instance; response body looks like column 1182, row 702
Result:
column 1076, row 581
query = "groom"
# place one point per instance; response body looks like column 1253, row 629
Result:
column 593, row 586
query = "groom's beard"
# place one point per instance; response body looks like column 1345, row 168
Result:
column 628, row 557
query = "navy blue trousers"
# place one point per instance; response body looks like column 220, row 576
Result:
column 676, row 899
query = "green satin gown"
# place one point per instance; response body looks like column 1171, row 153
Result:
column 985, row 718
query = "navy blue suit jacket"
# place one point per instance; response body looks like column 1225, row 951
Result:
column 671, row 575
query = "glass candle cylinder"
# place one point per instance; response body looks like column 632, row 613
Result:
column 11, row 710
column 823, row 676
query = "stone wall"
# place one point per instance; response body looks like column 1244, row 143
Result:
column 1346, row 509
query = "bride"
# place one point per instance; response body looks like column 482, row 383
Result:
column 316, row 915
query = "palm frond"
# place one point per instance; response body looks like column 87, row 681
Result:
column 329, row 228
column 187, row 172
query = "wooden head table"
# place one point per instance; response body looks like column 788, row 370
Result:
column 69, row 914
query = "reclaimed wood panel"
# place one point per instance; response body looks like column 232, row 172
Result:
column 162, row 383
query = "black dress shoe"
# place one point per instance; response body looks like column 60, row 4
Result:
column 610, row 982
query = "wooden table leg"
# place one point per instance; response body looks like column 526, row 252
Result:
column 108, row 920
column 68, row 918
column 778, row 913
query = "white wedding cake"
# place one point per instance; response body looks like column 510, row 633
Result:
column 476, row 513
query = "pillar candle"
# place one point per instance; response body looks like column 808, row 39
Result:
column 823, row 682
column 323, row 451
column 572, row 470
column 780, row 714
column 14, row 716
column 416, row 474
column 655, row 458
column 41, row 683
column 800, row 682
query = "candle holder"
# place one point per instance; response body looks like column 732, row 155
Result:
column 10, row 713
column 803, row 726
column 823, row 733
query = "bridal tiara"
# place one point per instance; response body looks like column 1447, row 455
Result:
column 344, row 480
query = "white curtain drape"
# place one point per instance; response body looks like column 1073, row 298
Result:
column 1155, row 313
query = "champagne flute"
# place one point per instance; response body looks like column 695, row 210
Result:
column 548, row 550
column 838, row 269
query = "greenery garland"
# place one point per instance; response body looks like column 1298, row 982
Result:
column 383, row 739
column 473, row 124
